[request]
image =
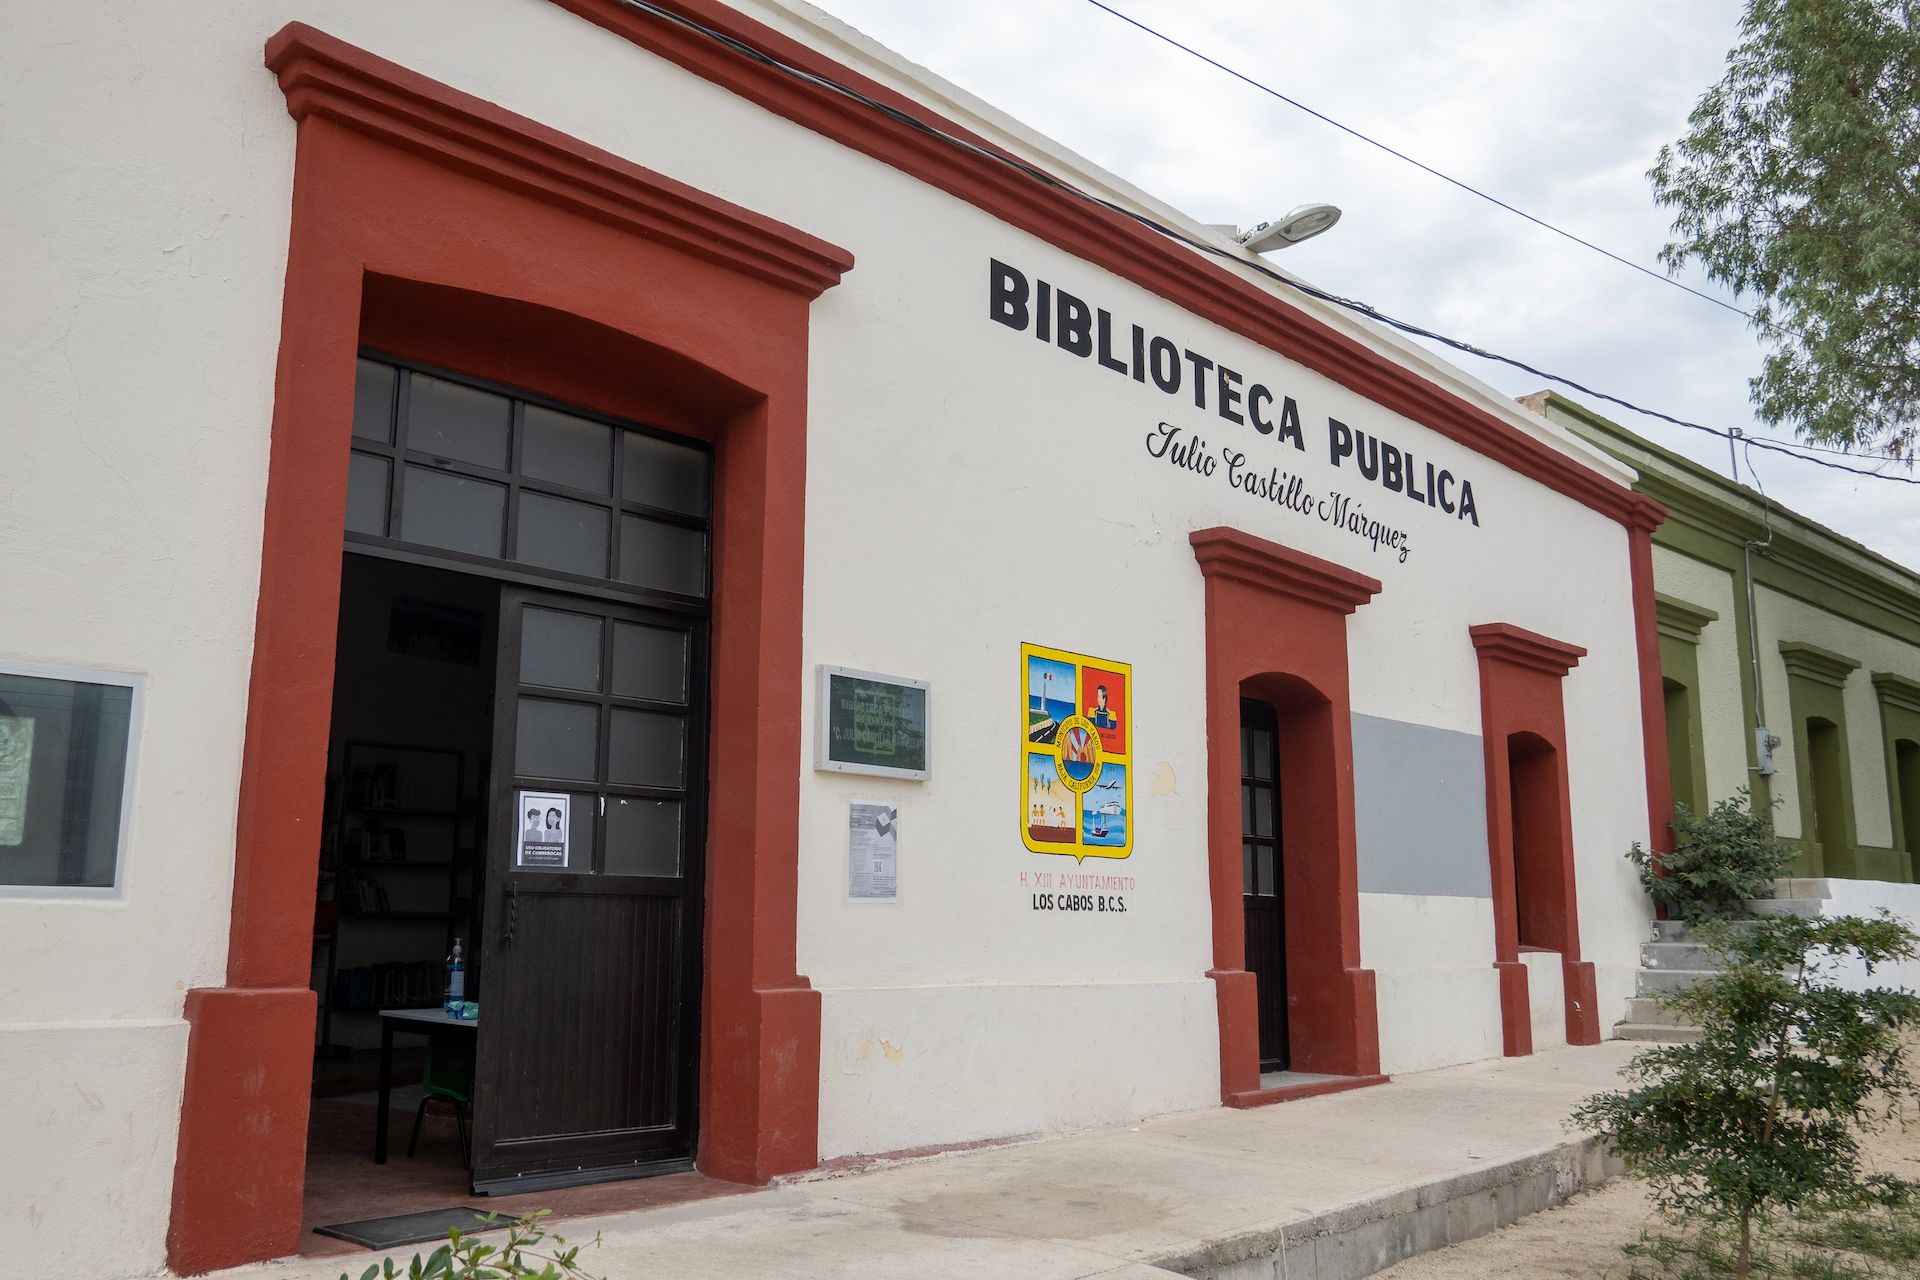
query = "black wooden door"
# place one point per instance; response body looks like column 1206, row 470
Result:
column 589, row 1021
column 1260, row 853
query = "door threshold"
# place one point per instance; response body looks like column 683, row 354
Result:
column 1290, row 1086
column 530, row 1182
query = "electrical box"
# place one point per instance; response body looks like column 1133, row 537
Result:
column 1764, row 742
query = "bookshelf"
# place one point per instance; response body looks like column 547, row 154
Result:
column 399, row 866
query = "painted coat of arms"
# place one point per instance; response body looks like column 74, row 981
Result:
column 1076, row 776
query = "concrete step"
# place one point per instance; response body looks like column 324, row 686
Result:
column 1680, row 931
column 1804, row 907
column 1655, row 1033
column 1660, row 982
column 1815, row 887
column 1677, row 955
column 1652, row 1010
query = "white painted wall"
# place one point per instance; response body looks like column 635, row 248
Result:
column 147, row 182
column 144, row 178
column 1546, row 999
column 1439, row 995
column 1783, row 618
column 1869, row 898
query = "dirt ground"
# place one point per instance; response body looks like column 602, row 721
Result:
column 1581, row 1240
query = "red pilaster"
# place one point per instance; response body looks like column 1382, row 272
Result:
column 447, row 228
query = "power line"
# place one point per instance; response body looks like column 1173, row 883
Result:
column 1235, row 257
column 1421, row 165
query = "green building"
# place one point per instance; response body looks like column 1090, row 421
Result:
column 1773, row 627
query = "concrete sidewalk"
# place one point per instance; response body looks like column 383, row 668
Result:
column 1328, row 1188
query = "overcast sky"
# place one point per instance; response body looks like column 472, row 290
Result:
column 1556, row 106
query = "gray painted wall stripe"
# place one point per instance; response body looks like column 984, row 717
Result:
column 1420, row 809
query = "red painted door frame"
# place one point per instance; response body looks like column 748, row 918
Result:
column 1520, row 700
column 444, row 227
column 1276, row 630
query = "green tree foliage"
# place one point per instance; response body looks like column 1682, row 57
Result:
column 1765, row 1111
column 1798, row 184
column 1719, row 862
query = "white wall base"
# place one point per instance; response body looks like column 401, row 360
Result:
column 1546, row 998
column 1438, row 1019
column 905, row 1067
column 1439, row 996
column 92, row 1116
column 1867, row 898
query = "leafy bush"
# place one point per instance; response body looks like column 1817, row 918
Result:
column 1765, row 1111
column 1720, row 862
column 528, row 1253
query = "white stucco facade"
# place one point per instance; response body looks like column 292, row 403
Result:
column 969, row 488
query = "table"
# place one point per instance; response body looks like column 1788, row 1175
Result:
column 419, row 1022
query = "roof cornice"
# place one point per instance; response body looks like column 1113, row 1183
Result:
column 324, row 77
column 1701, row 499
column 1097, row 235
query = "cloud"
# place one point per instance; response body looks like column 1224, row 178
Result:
column 1558, row 108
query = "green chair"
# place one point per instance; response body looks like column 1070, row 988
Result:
column 448, row 1077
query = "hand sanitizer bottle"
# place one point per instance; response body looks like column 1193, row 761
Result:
column 456, row 982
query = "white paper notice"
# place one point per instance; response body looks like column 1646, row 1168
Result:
column 872, row 852
column 16, row 762
column 543, row 828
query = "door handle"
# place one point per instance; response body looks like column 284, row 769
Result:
column 513, row 910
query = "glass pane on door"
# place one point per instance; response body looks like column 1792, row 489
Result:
column 649, row 662
column 464, row 424
column 662, row 474
column 560, row 650
column 367, row 494
column 441, row 509
column 563, row 449
column 556, row 740
column 663, row 556
column 646, row 749
column 643, row 837
column 558, row 533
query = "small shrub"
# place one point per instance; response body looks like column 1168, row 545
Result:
column 528, row 1253
column 1720, row 861
column 1764, row 1112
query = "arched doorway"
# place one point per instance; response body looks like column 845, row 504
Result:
column 402, row 179
column 1283, row 883
column 1530, row 834
column 1541, row 891
column 1289, row 870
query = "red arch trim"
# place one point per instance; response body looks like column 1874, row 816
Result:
column 401, row 179
column 1276, row 626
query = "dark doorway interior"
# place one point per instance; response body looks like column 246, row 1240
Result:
column 1260, row 861
column 1680, row 716
column 516, row 766
column 1826, row 787
column 402, row 871
column 1906, row 757
column 1540, row 891
column 407, row 784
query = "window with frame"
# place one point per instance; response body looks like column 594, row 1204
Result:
column 65, row 741
column 482, row 472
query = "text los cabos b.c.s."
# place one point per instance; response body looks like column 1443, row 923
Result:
column 1062, row 320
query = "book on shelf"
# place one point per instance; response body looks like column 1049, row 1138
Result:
column 389, row 984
